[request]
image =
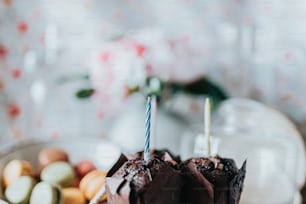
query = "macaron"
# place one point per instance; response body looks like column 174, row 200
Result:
column 92, row 183
column 50, row 155
column 84, row 167
column 15, row 169
column 19, row 191
column 46, row 193
column 73, row 196
column 59, row 173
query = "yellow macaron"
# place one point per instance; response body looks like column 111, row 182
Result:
column 15, row 169
column 92, row 183
column 73, row 196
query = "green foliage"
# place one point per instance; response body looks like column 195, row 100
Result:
column 203, row 86
column 84, row 93
column 164, row 90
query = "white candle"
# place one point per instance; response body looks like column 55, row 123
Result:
column 207, row 124
column 98, row 196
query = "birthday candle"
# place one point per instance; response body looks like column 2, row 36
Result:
column 207, row 124
column 148, row 129
column 153, row 121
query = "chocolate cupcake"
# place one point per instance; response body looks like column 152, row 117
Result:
column 163, row 154
column 212, row 180
column 141, row 182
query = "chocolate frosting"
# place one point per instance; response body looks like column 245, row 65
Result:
column 163, row 154
column 212, row 180
column 140, row 182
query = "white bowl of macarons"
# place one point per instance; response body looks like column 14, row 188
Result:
column 64, row 171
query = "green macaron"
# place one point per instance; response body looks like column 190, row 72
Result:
column 59, row 173
column 19, row 191
column 46, row 193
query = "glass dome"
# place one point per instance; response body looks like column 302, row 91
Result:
column 274, row 150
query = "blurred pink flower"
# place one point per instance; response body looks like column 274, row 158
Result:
column 114, row 69
column 171, row 58
column 125, row 64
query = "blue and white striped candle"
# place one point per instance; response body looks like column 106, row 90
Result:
column 148, row 129
column 153, row 120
